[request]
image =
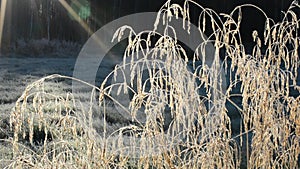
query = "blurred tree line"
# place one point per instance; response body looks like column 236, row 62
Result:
column 52, row 20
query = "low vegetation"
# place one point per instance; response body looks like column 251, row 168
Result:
column 167, row 123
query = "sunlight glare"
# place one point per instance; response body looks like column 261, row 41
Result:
column 81, row 22
column 2, row 17
column 72, row 12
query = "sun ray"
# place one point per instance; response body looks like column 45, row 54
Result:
column 76, row 16
column 81, row 22
column 2, row 18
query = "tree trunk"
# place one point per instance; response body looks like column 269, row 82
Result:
column 31, row 18
column 48, row 18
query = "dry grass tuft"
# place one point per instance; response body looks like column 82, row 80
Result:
column 168, row 124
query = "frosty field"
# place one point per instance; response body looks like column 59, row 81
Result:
column 229, row 104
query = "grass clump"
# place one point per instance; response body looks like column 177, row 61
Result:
column 168, row 124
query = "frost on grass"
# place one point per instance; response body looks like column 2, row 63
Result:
column 77, row 132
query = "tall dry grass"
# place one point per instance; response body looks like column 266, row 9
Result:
column 64, row 131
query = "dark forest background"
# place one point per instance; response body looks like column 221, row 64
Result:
column 27, row 20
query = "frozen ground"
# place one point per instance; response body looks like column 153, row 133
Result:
column 18, row 72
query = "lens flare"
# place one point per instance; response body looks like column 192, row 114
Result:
column 73, row 13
